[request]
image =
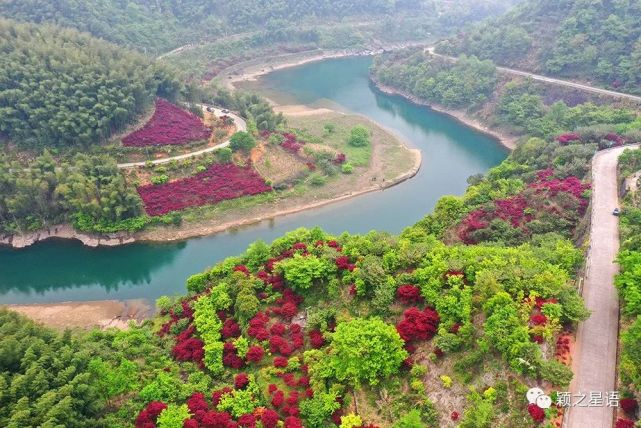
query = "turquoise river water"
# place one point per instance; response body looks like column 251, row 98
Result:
column 56, row 270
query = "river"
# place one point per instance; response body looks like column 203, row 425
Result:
column 55, row 270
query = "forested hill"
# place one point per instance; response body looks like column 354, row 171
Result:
column 586, row 39
column 60, row 87
column 161, row 25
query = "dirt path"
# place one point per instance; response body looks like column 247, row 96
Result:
column 595, row 357
column 240, row 123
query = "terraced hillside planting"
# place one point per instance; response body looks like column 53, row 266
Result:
column 170, row 125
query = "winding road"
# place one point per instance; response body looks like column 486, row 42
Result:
column 240, row 123
column 595, row 356
column 552, row 80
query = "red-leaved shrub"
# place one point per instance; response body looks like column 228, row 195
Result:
column 538, row 319
column 241, row 380
column 219, row 182
column 629, row 405
column 418, row 325
column 170, row 125
column 293, row 422
column 230, row 329
column 409, row 294
column 247, row 420
column 255, row 353
column 278, row 399
column 537, row 413
column 316, row 339
column 269, row 418
column 148, row 416
column 624, row 423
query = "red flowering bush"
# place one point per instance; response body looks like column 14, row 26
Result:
column 316, row 339
column 293, row 422
column 278, row 345
column 189, row 349
column 342, row 263
column 291, row 143
column 454, row 416
column 241, row 380
column 536, row 413
column 615, row 138
column 291, row 411
column 473, row 222
column 544, row 199
column 197, row 403
column 230, row 329
column 243, row 269
column 218, row 183
column 170, row 125
column 287, row 311
column 409, row 294
column 269, row 418
column 418, row 325
column 247, row 420
column 340, row 159
column 289, row 380
column 624, row 423
column 278, row 399
column 303, row 381
column 255, row 353
column 230, row 357
column 191, row 423
column 336, row 416
column 292, row 399
column 565, row 139
column 629, row 405
column 148, row 416
column 300, row 246
column 280, row 362
column 217, row 395
column 278, row 329
column 538, row 319
column 217, row 420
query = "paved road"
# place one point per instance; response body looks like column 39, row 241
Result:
column 241, row 125
column 555, row 81
column 595, row 356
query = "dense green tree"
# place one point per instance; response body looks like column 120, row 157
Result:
column 242, row 141
column 366, row 350
column 358, row 136
column 301, row 272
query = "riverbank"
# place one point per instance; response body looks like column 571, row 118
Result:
column 66, row 231
column 101, row 314
column 507, row 140
column 253, row 69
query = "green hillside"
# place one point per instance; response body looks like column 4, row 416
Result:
column 161, row 25
column 589, row 40
column 59, row 87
